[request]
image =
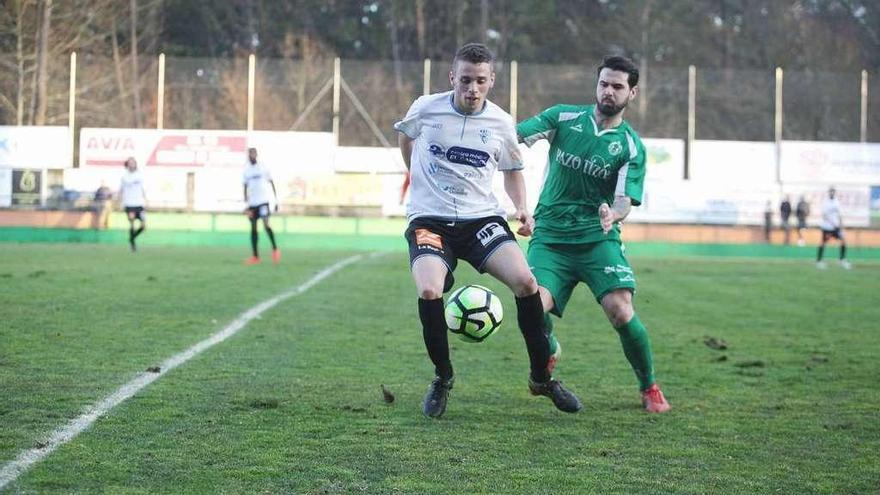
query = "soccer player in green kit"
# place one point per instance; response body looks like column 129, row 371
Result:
column 595, row 174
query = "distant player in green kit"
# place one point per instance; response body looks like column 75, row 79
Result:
column 595, row 174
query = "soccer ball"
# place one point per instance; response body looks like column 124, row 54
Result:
column 473, row 313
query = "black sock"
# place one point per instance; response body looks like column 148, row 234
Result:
column 435, row 333
column 843, row 251
column 138, row 231
column 530, row 316
column 821, row 253
column 254, row 238
column 271, row 236
column 131, row 235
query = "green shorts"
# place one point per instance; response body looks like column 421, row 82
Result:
column 559, row 268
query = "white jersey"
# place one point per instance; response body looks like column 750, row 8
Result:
column 131, row 189
column 831, row 214
column 256, row 179
column 455, row 156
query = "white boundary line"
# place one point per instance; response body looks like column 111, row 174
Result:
column 62, row 435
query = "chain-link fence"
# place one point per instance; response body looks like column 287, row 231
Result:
column 204, row 93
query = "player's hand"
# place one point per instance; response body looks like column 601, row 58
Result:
column 527, row 223
column 248, row 213
column 606, row 217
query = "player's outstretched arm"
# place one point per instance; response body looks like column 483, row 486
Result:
column 515, row 187
column 608, row 215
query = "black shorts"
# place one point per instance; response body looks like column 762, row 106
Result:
column 471, row 240
column 802, row 223
column 828, row 234
column 138, row 211
column 259, row 211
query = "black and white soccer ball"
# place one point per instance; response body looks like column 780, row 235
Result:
column 473, row 313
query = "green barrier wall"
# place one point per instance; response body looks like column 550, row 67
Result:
column 378, row 235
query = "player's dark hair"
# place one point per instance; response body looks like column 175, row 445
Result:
column 622, row 64
column 475, row 53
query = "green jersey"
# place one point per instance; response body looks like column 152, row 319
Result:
column 587, row 166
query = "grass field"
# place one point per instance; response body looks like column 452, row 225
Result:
column 292, row 403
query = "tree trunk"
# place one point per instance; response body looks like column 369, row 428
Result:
column 135, row 79
column 43, row 66
column 420, row 27
column 117, row 63
column 643, row 63
column 19, row 57
column 484, row 21
column 395, row 51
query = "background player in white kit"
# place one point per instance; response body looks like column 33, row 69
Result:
column 452, row 143
column 257, row 180
column 832, row 226
column 133, row 198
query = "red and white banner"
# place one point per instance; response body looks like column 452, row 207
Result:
column 194, row 150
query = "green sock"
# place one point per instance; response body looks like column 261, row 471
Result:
column 548, row 324
column 637, row 347
column 548, row 330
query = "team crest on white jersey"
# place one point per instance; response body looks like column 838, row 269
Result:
column 485, row 135
column 615, row 148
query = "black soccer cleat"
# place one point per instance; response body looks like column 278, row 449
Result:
column 435, row 400
column 562, row 398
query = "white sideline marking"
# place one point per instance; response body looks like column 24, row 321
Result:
column 26, row 459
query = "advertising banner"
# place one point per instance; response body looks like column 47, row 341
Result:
column 26, row 187
column 740, row 162
column 875, row 206
column 194, row 150
column 35, row 147
column 162, row 188
column 5, row 187
column 362, row 159
column 830, row 163
column 665, row 159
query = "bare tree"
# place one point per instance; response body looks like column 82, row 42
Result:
column 135, row 68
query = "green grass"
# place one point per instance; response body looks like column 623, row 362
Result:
column 292, row 403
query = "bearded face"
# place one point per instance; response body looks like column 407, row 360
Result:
column 613, row 92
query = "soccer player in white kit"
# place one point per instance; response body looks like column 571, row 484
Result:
column 832, row 226
column 452, row 143
column 133, row 198
column 257, row 180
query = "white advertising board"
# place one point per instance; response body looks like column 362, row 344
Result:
column 5, row 187
column 163, row 188
column 830, row 163
column 733, row 162
column 363, row 159
column 665, row 158
column 35, row 147
column 193, row 150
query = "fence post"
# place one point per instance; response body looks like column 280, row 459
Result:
column 426, row 77
column 778, row 124
column 337, row 86
column 252, row 65
column 71, row 111
column 514, row 76
column 692, row 120
column 863, row 124
column 160, row 94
